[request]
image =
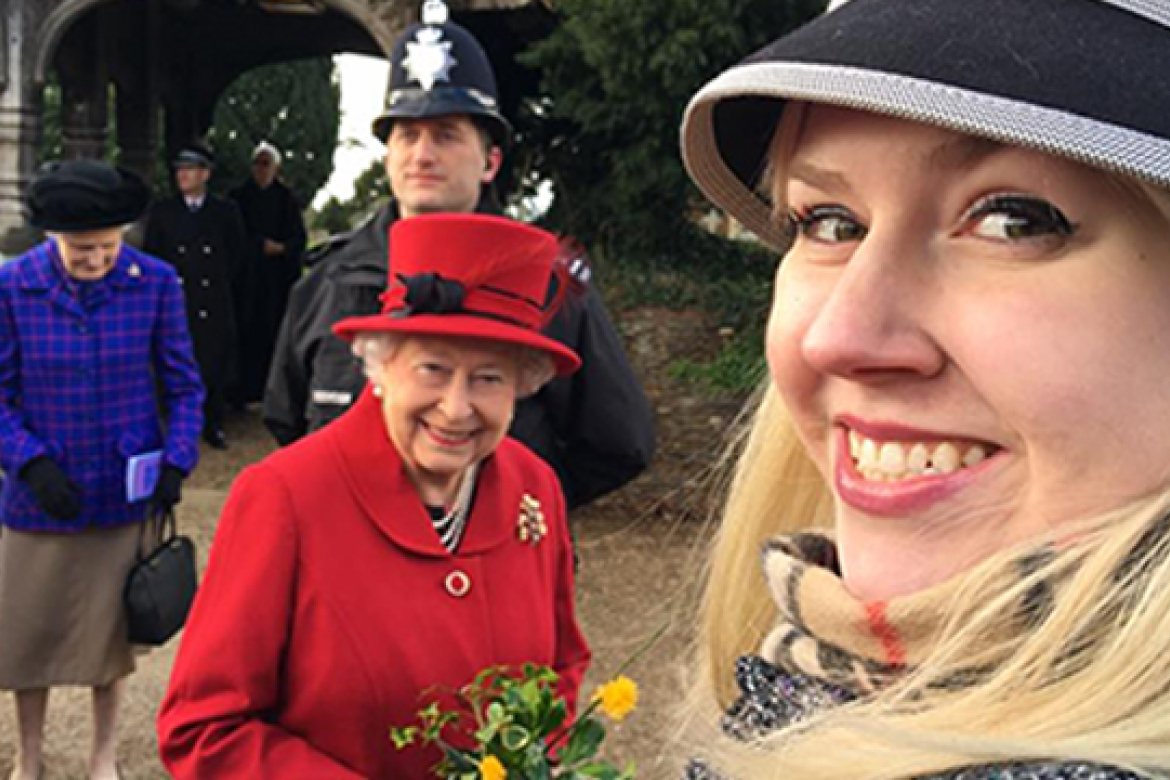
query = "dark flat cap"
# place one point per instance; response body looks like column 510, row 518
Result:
column 80, row 195
column 196, row 155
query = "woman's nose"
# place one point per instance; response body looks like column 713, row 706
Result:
column 873, row 323
column 456, row 400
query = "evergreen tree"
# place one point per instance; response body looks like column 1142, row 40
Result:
column 294, row 105
column 616, row 78
column 370, row 191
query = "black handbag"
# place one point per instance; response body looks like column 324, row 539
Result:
column 161, row 585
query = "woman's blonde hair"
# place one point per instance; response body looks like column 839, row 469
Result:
column 1088, row 680
column 533, row 368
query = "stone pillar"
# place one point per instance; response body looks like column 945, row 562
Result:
column 20, row 111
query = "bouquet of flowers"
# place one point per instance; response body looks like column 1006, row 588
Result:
column 518, row 728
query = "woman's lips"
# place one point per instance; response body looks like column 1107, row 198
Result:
column 448, row 439
column 904, row 472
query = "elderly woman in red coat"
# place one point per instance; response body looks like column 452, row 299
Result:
column 389, row 553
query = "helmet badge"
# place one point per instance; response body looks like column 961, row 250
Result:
column 428, row 58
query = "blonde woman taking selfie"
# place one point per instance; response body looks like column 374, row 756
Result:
column 958, row 478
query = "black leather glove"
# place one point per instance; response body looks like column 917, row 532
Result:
column 53, row 490
column 168, row 489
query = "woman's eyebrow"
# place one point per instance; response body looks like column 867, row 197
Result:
column 962, row 152
column 816, row 176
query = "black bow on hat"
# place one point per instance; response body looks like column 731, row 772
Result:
column 430, row 293
column 81, row 195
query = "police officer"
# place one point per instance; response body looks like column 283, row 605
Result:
column 444, row 137
column 203, row 236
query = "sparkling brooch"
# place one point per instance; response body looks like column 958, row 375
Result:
column 530, row 526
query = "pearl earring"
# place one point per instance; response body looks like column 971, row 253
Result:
column 377, row 391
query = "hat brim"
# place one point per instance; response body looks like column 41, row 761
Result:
column 948, row 63
column 66, row 224
column 98, row 206
column 565, row 360
column 443, row 101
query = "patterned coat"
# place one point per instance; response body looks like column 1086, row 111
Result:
column 78, row 369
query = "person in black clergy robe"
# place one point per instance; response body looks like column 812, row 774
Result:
column 276, row 237
column 202, row 235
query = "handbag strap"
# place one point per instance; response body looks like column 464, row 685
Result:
column 163, row 526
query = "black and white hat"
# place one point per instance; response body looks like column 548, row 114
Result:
column 1083, row 79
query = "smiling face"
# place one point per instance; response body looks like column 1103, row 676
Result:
column 973, row 341
column 447, row 403
column 438, row 164
column 89, row 255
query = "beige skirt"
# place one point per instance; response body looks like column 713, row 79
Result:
column 61, row 616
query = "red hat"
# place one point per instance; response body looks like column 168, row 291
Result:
column 471, row 275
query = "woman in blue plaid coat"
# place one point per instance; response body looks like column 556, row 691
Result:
column 96, row 368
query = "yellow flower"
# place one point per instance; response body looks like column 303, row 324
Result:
column 491, row 768
column 618, row 697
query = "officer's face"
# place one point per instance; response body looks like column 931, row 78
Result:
column 447, row 403
column 192, row 180
column 91, row 254
column 438, row 164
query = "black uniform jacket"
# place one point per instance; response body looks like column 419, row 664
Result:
column 207, row 248
column 595, row 427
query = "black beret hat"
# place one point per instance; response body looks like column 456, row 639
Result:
column 80, row 195
column 196, row 155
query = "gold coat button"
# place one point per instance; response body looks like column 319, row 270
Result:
column 457, row 583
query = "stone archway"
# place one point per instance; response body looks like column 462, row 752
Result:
column 168, row 58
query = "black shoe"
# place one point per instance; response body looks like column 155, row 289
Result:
column 215, row 438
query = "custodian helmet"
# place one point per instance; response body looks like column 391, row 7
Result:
column 437, row 68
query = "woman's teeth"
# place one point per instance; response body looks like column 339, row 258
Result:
column 893, row 460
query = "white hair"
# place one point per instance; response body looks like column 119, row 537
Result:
column 269, row 149
column 534, row 368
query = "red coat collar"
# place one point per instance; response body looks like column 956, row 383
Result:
column 375, row 472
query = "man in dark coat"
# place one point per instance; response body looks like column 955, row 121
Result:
column 276, row 243
column 203, row 237
column 443, row 136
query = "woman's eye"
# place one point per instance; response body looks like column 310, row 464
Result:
column 826, row 224
column 1017, row 217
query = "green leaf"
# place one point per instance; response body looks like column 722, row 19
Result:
column 585, row 739
column 515, row 738
column 602, row 770
column 403, row 737
column 460, row 761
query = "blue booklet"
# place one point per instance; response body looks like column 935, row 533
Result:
column 142, row 475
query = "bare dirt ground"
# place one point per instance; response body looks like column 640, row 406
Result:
column 641, row 554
